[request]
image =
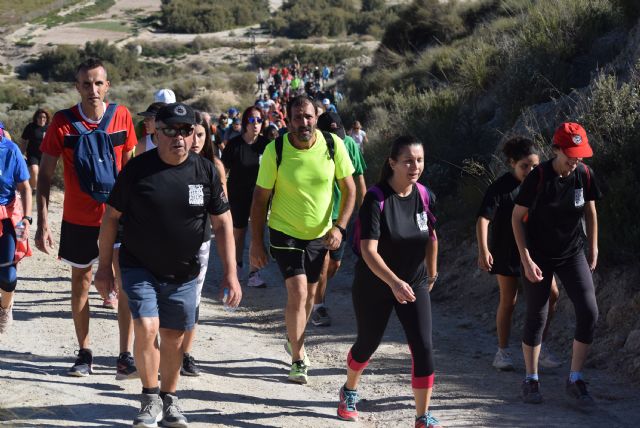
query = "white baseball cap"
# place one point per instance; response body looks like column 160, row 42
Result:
column 164, row 96
column 326, row 101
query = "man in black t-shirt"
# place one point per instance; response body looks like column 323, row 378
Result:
column 163, row 198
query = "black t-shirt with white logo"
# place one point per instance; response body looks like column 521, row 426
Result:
column 554, row 227
column 164, row 210
column 402, row 233
column 497, row 206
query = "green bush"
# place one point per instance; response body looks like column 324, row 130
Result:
column 309, row 55
column 187, row 16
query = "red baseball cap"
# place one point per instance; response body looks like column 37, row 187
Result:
column 572, row 139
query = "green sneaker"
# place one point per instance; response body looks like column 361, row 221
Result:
column 305, row 359
column 298, row 373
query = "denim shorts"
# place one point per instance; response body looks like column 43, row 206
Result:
column 173, row 304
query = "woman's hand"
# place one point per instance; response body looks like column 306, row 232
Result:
column 403, row 292
column 592, row 258
column 532, row 271
column 485, row 260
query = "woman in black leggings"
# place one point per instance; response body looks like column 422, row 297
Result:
column 399, row 251
column 547, row 224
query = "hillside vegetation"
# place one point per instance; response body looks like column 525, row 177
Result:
column 188, row 16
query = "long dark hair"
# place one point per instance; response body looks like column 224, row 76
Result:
column 207, row 150
column 247, row 114
column 517, row 148
column 396, row 146
column 38, row 113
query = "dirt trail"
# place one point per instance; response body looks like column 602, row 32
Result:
column 245, row 366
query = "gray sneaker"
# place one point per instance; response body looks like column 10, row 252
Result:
column 320, row 317
column 173, row 416
column 150, row 411
column 6, row 318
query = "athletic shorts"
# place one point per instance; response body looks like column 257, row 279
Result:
column 336, row 255
column 78, row 244
column 240, row 205
column 297, row 256
column 173, row 304
column 33, row 159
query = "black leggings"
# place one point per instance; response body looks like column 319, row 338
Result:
column 373, row 302
column 576, row 278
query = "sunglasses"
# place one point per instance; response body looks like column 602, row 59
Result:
column 172, row 132
column 253, row 119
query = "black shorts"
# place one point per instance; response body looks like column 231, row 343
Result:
column 33, row 159
column 78, row 244
column 297, row 256
column 240, row 203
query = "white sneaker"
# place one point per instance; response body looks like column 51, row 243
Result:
column 255, row 280
column 503, row 360
column 547, row 359
column 6, row 318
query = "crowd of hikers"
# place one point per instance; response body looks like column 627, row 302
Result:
column 145, row 199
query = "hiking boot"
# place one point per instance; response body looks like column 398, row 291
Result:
column 305, row 359
column 6, row 318
column 111, row 302
column 503, row 361
column 530, row 391
column 126, row 368
column 255, row 280
column 547, row 359
column 320, row 317
column 150, row 411
column 578, row 393
column 189, row 367
column 173, row 416
column 298, row 372
column 427, row 421
column 83, row 365
column 347, row 407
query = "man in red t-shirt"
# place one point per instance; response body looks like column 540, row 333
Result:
column 82, row 215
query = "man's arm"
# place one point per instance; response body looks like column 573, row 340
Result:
column 25, row 195
column 259, row 206
column 108, row 231
column 334, row 237
column 361, row 190
column 223, row 229
column 43, row 238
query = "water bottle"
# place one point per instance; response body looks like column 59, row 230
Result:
column 225, row 298
column 20, row 230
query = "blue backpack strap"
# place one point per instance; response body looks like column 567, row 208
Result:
column 75, row 122
column 107, row 116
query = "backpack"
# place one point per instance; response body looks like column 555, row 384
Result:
column 379, row 194
column 93, row 156
column 540, row 169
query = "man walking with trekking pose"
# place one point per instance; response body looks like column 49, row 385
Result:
column 164, row 197
column 84, row 196
column 299, row 169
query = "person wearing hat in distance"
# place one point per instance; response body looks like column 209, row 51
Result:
column 326, row 104
column 146, row 143
column 547, row 226
column 233, row 131
column 172, row 190
column 165, row 95
column 331, row 122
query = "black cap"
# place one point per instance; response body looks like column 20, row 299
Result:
column 330, row 121
column 176, row 114
column 152, row 110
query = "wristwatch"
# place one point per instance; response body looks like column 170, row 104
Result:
column 341, row 229
column 29, row 219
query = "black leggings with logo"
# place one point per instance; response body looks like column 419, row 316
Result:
column 575, row 275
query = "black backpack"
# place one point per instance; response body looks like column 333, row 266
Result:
column 93, row 156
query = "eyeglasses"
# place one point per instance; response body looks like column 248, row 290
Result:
column 253, row 119
column 173, row 132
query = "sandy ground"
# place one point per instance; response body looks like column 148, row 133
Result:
column 245, row 367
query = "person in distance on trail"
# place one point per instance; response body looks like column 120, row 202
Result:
column 548, row 227
column 500, row 256
column 396, row 271
column 32, row 137
column 82, row 214
column 164, row 197
column 146, row 143
column 299, row 170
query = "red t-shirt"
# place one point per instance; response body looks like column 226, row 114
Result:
column 60, row 139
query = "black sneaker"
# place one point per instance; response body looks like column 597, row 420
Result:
column 126, row 368
column 173, row 416
column 579, row 395
column 530, row 392
column 83, row 365
column 189, row 367
column 320, row 317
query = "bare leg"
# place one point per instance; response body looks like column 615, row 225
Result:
column 187, row 342
column 531, row 354
column 580, row 351
column 170, row 358
column 422, row 397
column 145, row 350
column 297, row 313
column 353, row 378
column 33, row 180
column 508, row 296
column 125, row 323
column 80, row 283
column 7, row 299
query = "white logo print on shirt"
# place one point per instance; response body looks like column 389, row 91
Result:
column 196, row 195
column 423, row 221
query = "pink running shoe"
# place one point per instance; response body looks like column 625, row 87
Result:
column 111, row 302
column 347, row 407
